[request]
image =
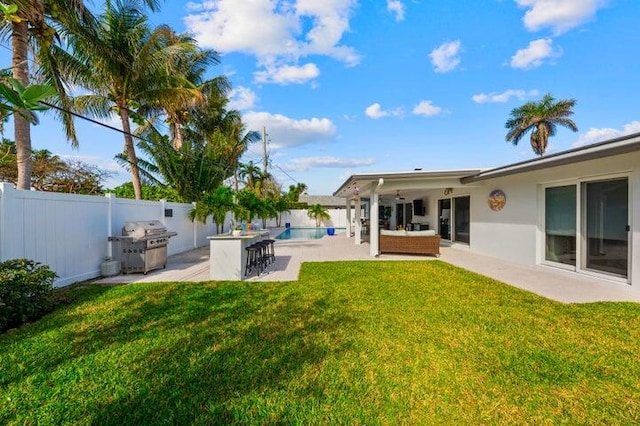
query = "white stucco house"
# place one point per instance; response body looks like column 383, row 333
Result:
column 577, row 210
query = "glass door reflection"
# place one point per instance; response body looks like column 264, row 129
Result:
column 606, row 232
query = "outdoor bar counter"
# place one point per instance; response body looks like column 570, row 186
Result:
column 227, row 254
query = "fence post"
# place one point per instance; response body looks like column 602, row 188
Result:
column 4, row 189
column 163, row 207
column 195, row 228
column 110, row 198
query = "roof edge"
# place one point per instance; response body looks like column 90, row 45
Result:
column 405, row 175
column 583, row 153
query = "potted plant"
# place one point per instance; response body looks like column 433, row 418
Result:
column 237, row 231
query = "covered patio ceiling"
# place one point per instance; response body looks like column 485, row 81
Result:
column 409, row 185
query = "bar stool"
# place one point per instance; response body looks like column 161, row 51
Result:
column 270, row 253
column 263, row 253
column 253, row 261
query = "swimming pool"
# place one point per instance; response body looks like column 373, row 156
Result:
column 305, row 233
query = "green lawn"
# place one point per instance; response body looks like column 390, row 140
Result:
column 417, row 342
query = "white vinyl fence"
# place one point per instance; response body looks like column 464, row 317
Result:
column 299, row 218
column 69, row 232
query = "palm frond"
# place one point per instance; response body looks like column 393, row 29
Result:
column 541, row 119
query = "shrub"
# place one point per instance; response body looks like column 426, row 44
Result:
column 26, row 292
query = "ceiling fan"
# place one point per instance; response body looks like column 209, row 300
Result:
column 398, row 196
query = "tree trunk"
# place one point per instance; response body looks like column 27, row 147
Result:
column 176, row 134
column 22, row 128
column 130, row 150
column 235, row 179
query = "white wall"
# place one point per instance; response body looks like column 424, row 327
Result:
column 299, row 218
column 69, row 232
column 66, row 232
column 515, row 232
column 510, row 233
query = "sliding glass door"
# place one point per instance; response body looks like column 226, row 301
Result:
column 444, row 215
column 560, row 224
column 461, row 217
column 594, row 229
column 606, row 229
column 455, row 219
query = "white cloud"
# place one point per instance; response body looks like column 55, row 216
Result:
column 505, row 96
column 397, row 8
column 231, row 26
column 534, row 54
column 242, row 98
column 594, row 135
column 304, row 164
column 375, row 111
column 274, row 31
column 287, row 132
column 427, row 109
column 286, row 74
column 446, row 57
column 330, row 20
column 559, row 15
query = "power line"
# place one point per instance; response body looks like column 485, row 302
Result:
column 82, row 117
column 91, row 120
column 288, row 175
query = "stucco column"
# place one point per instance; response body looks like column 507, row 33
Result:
column 373, row 218
column 358, row 230
column 348, row 233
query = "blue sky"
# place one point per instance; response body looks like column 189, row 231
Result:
column 347, row 86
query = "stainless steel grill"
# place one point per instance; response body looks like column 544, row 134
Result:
column 143, row 246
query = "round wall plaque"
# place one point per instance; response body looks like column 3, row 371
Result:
column 497, row 200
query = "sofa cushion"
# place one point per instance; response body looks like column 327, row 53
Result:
column 393, row 232
column 425, row 233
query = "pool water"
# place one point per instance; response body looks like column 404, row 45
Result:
column 304, row 233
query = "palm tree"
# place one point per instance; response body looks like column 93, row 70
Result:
column 250, row 173
column 192, row 171
column 267, row 210
column 216, row 204
column 542, row 119
column 39, row 18
column 192, row 64
column 318, row 213
column 293, row 195
column 125, row 64
column 281, row 204
column 248, row 205
column 223, row 130
column 37, row 25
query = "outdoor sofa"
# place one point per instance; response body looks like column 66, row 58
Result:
column 409, row 242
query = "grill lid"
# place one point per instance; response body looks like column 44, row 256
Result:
column 143, row 228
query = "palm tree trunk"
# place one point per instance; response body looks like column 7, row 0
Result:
column 176, row 133
column 130, row 150
column 22, row 128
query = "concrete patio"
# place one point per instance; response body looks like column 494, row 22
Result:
column 555, row 284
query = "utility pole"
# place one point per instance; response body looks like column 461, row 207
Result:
column 264, row 150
